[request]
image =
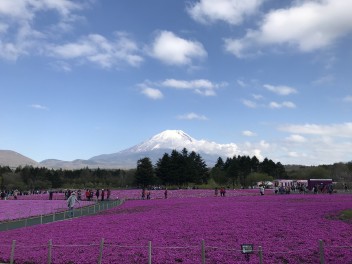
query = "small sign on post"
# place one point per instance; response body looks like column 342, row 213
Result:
column 247, row 249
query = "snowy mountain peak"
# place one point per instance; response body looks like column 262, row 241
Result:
column 172, row 135
column 177, row 139
column 168, row 139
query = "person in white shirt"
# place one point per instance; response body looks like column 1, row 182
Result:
column 71, row 201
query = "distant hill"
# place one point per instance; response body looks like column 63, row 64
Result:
column 13, row 159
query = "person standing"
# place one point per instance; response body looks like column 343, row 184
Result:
column 71, row 201
column 262, row 190
column 97, row 193
column 148, row 195
column 102, row 195
column 165, row 193
column 51, row 195
column 87, row 195
column 108, row 193
column 143, row 194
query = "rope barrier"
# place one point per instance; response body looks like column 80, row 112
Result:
column 18, row 245
column 289, row 252
column 49, row 246
column 338, row 246
column 76, row 245
column 225, row 249
column 175, row 247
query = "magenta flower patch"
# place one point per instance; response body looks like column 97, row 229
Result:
column 287, row 227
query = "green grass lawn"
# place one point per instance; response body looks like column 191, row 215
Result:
column 346, row 215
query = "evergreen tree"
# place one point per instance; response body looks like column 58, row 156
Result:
column 162, row 169
column 232, row 171
column 219, row 163
column 144, row 175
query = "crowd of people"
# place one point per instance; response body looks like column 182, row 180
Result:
column 89, row 194
column 146, row 194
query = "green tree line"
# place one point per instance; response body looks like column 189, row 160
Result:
column 39, row 178
column 177, row 169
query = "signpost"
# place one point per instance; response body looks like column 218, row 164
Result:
column 247, row 249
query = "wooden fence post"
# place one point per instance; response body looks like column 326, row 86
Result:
column 260, row 255
column 12, row 251
column 321, row 251
column 101, row 251
column 203, row 251
column 149, row 252
column 50, row 245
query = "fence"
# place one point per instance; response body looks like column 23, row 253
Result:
column 148, row 249
column 59, row 216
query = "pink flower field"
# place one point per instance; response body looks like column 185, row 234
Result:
column 287, row 227
column 18, row 209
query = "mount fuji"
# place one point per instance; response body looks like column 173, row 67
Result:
column 154, row 148
column 165, row 142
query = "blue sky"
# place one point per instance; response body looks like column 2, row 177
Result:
column 84, row 78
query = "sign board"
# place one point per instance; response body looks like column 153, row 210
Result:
column 247, row 248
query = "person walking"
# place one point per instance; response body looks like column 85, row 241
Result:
column 71, row 201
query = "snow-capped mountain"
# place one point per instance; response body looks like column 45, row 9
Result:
column 153, row 148
column 168, row 139
column 177, row 139
column 165, row 142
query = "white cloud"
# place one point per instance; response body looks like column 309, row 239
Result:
column 173, row 50
column 248, row 133
column 249, row 103
column 97, row 49
column 348, row 99
column 241, row 83
column 61, row 66
column 3, row 28
column 264, row 144
column 308, row 144
column 324, row 80
column 280, row 90
column 151, row 92
column 257, row 96
column 335, row 130
column 296, row 138
column 307, row 25
column 38, row 106
column 200, row 86
column 285, row 104
column 192, row 116
column 229, row 11
column 19, row 36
